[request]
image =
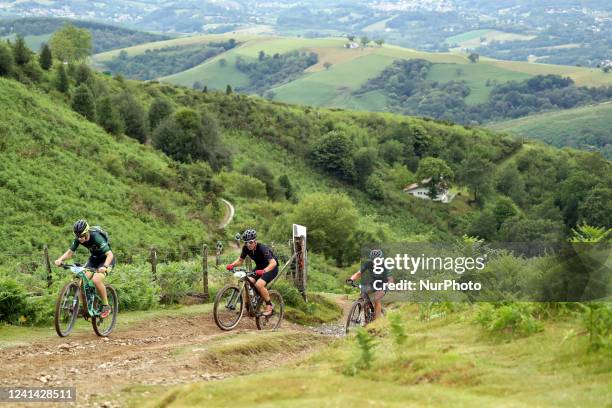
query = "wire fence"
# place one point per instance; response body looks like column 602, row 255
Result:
column 210, row 257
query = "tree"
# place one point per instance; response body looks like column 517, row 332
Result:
column 160, row 109
column 6, row 59
column 21, row 52
column 503, row 209
column 331, row 220
column 197, row 85
column 509, row 181
column 70, row 43
column 261, row 56
column 46, row 57
column 263, row 174
column 392, row 151
column 62, row 83
column 364, row 41
column 83, row 102
column 596, row 209
column 327, row 65
column 473, row 57
column 333, row 154
column 228, row 90
column 188, row 136
column 375, row 187
column 108, row 117
column 380, row 42
column 529, row 230
column 365, row 160
column 133, row 116
column 434, row 168
column 83, row 74
column 285, row 184
column 476, row 173
column 350, row 37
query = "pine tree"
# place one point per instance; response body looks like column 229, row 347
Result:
column 62, row 82
column 160, row 109
column 228, row 89
column 6, row 59
column 83, row 73
column 108, row 117
column 46, row 58
column 83, row 102
column 133, row 116
column 21, row 52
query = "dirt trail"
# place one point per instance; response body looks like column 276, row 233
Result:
column 148, row 352
column 145, row 353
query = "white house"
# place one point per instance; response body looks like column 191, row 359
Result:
column 351, row 44
column 421, row 190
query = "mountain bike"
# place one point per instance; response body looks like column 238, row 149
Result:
column 232, row 300
column 67, row 305
column 362, row 311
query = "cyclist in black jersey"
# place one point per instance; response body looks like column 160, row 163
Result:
column 266, row 265
column 369, row 278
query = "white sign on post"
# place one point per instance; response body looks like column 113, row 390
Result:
column 299, row 231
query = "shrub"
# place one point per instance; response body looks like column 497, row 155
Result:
column 176, row 280
column 13, row 300
column 515, row 318
column 135, row 288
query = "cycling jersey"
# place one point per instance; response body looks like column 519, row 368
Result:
column 261, row 255
column 368, row 277
column 98, row 245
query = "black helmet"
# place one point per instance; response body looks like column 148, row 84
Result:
column 376, row 253
column 80, row 227
column 249, row 235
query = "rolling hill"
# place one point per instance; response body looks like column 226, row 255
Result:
column 350, row 68
column 587, row 128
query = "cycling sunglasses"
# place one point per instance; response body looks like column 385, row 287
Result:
column 250, row 242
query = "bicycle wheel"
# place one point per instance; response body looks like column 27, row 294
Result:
column 228, row 308
column 356, row 317
column 273, row 321
column 103, row 327
column 66, row 309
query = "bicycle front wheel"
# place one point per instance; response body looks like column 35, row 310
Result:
column 356, row 317
column 273, row 321
column 228, row 308
column 103, row 327
column 66, row 309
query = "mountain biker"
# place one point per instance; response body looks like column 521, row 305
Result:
column 101, row 258
column 266, row 265
column 368, row 278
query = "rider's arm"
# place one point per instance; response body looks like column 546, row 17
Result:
column 68, row 254
column 237, row 262
column 356, row 276
column 109, row 259
column 271, row 265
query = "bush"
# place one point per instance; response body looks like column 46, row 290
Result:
column 135, row 288
column 177, row 279
column 513, row 318
column 13, row 300
column 597, row 320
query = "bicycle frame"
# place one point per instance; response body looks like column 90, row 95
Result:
column 250, row 302
column 90, row 293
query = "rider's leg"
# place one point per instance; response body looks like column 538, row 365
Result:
column 377, row 300
column 261, row 288
column 98, row 280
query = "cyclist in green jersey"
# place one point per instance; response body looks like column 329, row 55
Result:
column 101, row 258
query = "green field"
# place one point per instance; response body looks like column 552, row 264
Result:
column 351, row 68
column 476, row 76
column 558, row 128
column 446, row 361
column 472, row 38
column 34, row 42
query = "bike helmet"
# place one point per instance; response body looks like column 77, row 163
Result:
column 376, row 253
column 249, row 235
column 80, row 227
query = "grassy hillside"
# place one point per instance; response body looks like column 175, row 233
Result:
column 445, row 361
column 351, row 68
column 588, row 127
column 56, row 167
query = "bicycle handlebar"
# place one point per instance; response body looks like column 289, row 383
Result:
column 68, row 266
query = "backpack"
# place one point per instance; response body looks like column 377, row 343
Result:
column 102, row 232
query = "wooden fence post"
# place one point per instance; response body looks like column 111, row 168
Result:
column 205, row 271
column 153, row 259
column 48, row 266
